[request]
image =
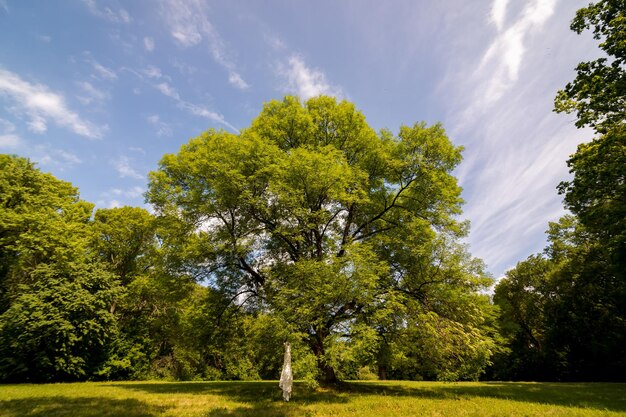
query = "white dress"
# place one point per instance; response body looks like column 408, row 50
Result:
column 286, row 378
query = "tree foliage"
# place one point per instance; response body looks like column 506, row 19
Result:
column 54, row 318
column 563, row 311
column 598, row 93
column 311, row 215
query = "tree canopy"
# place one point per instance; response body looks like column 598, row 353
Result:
column 598, row 92
column 311, row 215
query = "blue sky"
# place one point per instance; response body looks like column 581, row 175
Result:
column 96, row 91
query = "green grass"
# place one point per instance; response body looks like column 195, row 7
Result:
column 375, row 399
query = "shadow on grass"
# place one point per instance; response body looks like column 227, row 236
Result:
column 602, row 396
column 245, row 392
column 73, row 407
column 256, row 398
column 264, row 398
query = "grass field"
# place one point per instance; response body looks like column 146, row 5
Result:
column 211, row 399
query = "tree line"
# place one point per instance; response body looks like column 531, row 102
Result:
column 312, row 228
column 564, row 310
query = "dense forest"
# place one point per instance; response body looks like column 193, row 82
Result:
column 311, row 227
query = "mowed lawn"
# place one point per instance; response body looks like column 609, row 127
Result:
column 377, row 399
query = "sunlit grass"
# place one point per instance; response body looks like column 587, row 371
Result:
column 375, row 399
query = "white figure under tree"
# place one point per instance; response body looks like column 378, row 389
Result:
column 286, row 377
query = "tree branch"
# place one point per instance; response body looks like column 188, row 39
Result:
column 384, row 211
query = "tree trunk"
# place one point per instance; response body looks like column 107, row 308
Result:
column 382, row 372
column 383, row 358
column 327, row 372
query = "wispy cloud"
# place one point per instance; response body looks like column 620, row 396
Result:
column 45, row 38
column 502, row 61
column 195, row 109
column 109, row 204
column 106, row 13
column 162, row 128
column 132, row 192
column 274, row 41
column 137, row 149
column 153, row 77
column 103, row 72
column 305, row 81
column 90, row 94
column 148, row 43
column 41, row 106
column 169, row 91
column 152, row 72
column 498, row 13
column 125, row 169
column 236, row 80
column 10, row 141
column 8, row 138
column 58, row 159
column 516, row 147
column 189, row 25
column 184, row 68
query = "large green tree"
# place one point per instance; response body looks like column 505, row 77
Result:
column 54, row 294
column 597, row 192
column 311, row 215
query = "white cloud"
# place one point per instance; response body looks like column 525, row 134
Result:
column 162, row 128
column 148, row 43
column 152, row 72
column 500, row 65
column 118, row 197
column 189, row 25
column 194, row 109
column 42, row 105
column 132, row 192
column 137, row 149
column 58, row 158
column 115, row 16
column 168, row 90
column 45, row 38
column 125, row 170
column 4, row 6
column 10, row 141
column 498, row 13
column 8, row 138
column 103, row 72
column 274, row 41
column 108, row 204
column 184, row 68
column 236, row 80
column 187, row 21
column 207, row 114
column 91, row 94
column 304, row 81
column 515, row 146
